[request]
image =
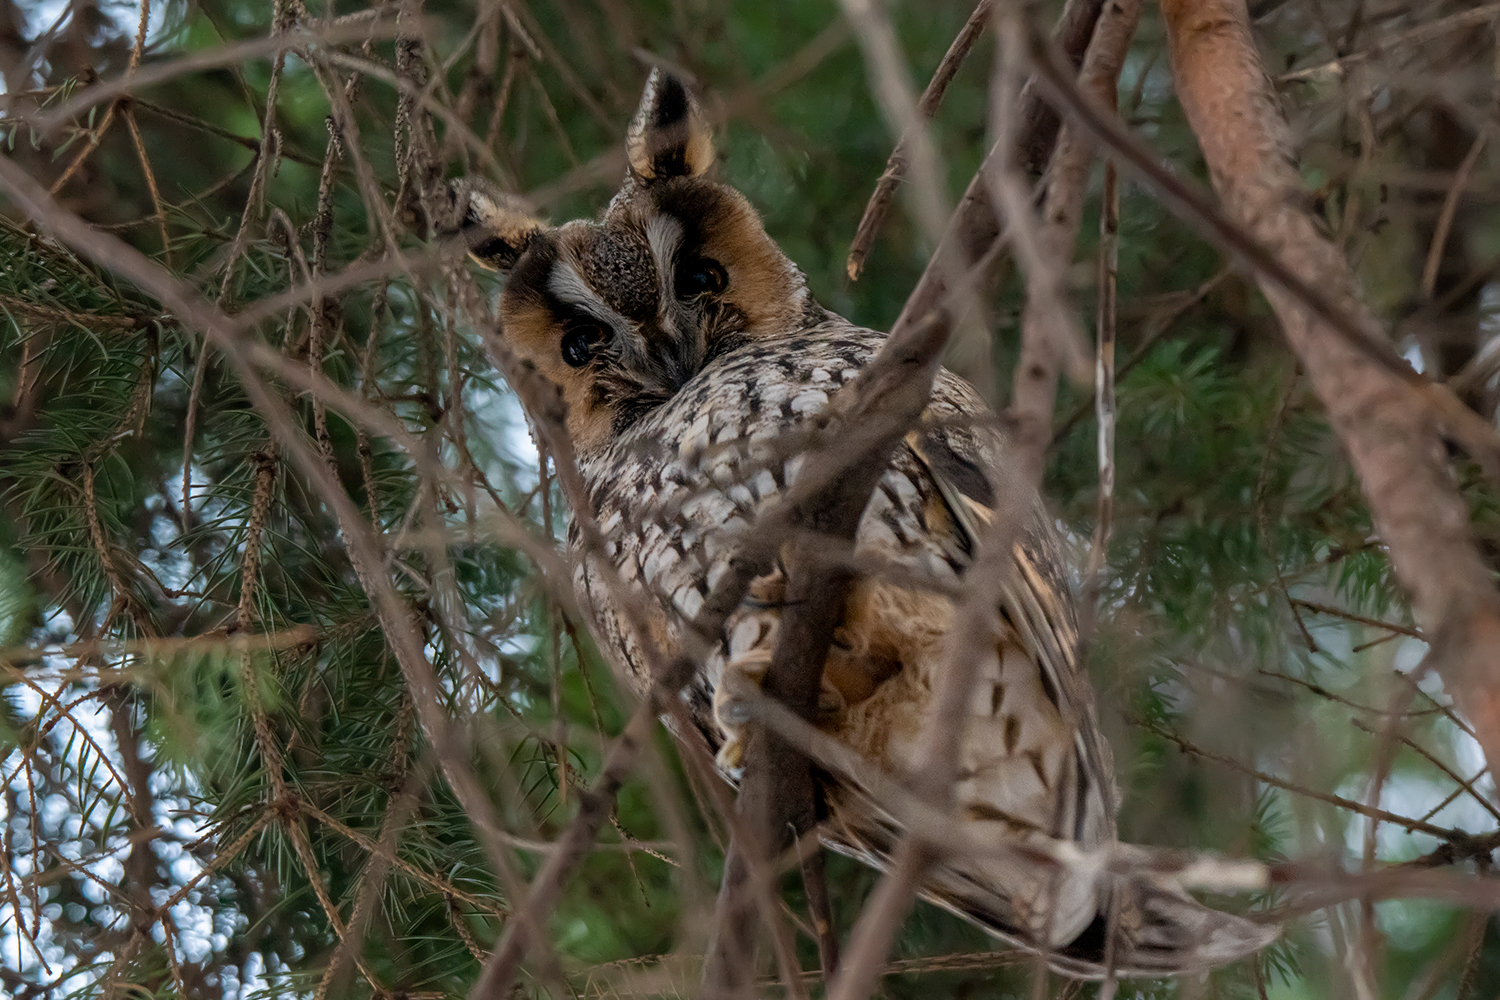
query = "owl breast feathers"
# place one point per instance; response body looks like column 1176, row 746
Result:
column 692, row 360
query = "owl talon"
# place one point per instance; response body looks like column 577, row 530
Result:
column 831, row 703
column 731, row 756
column 732, row 712
column 740, row 683
column 732, row 697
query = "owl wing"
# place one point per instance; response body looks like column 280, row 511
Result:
column 1033, row 767
column 1036, row 601
column 1140, row 927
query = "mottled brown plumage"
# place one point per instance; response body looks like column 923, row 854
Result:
column 692, row 358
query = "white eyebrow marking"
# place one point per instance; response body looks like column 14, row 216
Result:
column 664, row 234
column 568, row 285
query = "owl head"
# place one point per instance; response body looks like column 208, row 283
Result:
column 622, row 311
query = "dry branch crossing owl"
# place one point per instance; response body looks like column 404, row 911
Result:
column 692, row 360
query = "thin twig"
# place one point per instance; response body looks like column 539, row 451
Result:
column 214, row 58
column 1450, row 208
column 820, row 905
column 1466, row 786
column 1050, row 342
column 898, row 103
column 1104, row 389
column 895, row 167
column 1330, row 610
column 1335, row 800
column 973, row 236
column 156, row 202
column 96, row 135
column 1413, row 36
column 1263, row 517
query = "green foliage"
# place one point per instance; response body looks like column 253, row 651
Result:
column 159, row 745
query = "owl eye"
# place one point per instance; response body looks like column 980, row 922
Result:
column 701, row 276
column 580, row 340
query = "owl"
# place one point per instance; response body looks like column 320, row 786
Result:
column 693, row 362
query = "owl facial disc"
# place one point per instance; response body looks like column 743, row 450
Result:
column 623, row 311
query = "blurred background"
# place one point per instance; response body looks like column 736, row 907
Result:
column 187, row 813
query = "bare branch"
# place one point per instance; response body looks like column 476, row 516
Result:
column 1049, row 337
column 1104, row 389
column 973, row 233
column 895, row 167
column 1412, row 36
column 213, row 58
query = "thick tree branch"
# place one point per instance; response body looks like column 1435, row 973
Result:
column 777, row 796
column 1390, row 433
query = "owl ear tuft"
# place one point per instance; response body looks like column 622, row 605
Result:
column 496, row 227
column 668, row 136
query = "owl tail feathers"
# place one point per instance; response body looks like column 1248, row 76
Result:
column 1147, row 930
column 1157, row 930
column 1113, row 911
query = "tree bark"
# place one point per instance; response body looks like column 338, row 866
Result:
column 1386, row 426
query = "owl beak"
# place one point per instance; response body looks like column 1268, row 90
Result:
column 677, row 356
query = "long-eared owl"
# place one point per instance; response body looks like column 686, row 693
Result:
column 689, row 353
